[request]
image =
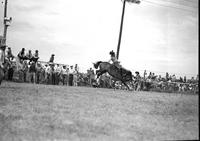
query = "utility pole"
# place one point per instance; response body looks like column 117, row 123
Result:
column 122, row 20
column 6, row 21
column 121, row 26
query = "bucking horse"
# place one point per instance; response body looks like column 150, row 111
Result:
column 120, row 74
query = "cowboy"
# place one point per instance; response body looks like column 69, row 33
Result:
column 116, row 62
column 2, row 55
column 114, row 59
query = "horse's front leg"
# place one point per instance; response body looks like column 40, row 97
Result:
column 98, row 73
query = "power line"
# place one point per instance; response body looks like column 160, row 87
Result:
column 154, row 3
column 168, row 6
column 177, row 3
column 188, row 1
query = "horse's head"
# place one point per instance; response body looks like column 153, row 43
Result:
column 96, row 64
column 93, row 64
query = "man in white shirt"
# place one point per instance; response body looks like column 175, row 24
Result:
column 65, row 75
column 47, row 73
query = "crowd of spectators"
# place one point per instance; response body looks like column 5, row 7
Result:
column 35, row 71
column 165, row 83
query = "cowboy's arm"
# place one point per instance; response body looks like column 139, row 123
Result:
column 109, row 60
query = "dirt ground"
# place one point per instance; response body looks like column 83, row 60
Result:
column 59, row 113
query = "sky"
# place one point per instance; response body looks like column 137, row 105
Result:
column 158, row 36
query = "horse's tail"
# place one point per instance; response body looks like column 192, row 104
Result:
column 96, row 65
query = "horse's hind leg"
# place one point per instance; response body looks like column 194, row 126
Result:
column 126, row 85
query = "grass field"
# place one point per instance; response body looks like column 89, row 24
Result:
column 59, row 113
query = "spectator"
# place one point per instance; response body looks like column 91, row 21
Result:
column 10, row 72
column 29, row 55
column 52, row 58
column 159, row 78
column 76, row 75
column 170, row 79
column 197, row 78
column 91, row 76
column 35, row 56
column 76, row 68
column 38, row 72
column 2, row 55
column 32, row 72
column 42, row 73
column 173, row 78
column 138, row 81
column 153, row 76
column 53, row 74
column 65, row 75
column 167, row 76
column 71, row 71
column 9, row 54
column 21, row 55
column 184, row 79
column 181, row 79
column 75, row 78
column 25, row 71
column 57, row 69
column 149, row 76
column 145, row 73
column 192, row 80
column 47, row 73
